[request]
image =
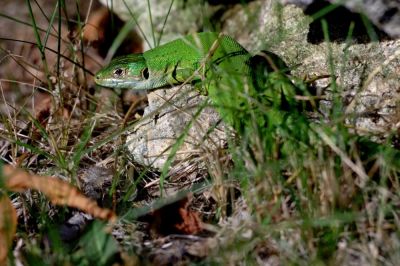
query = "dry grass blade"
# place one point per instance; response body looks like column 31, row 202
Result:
column 346, row 159
column 58, row 191
column 8, row 225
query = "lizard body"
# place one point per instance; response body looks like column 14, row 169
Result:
column 235, row 80
column 176, row 62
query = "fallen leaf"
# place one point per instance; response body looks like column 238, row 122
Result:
column 42, row 107
column 94, row 29
column 8, row 225
column 102, row 28
column 176, row 218
column 58, row 191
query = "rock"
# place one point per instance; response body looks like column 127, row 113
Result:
column 162, row 23
column 370, row 107
column 166, row 119
column 96, row 181
column 384, row 14
column 367, row 76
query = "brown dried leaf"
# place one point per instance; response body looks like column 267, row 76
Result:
column 42, row 107
column 176, row 218
column 191, row 222
column 103, row 27
column 59, row 192
column 94, row 29
column 8, row 225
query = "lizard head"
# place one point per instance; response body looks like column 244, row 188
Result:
column 129, row 71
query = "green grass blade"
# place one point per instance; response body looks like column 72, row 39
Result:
column 174, row 149
column 137, row 24
column 135, row 213
column 165, row 23
column 129, row 25
column 53, row 51
column 44, row 15
column 151, row 23
column 46, row 37
column 83, row 141
column 35, row 30
column 35, row 150
column 26, row 24
column 324, row 11
column 370, row 28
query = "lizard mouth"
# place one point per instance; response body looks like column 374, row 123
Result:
column 108, row 82
column 119, row 83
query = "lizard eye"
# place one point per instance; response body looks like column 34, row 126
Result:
column 118, row 72
column 145, row 73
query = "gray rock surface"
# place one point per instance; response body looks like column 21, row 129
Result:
column 367, row 76
column 171, row 113
column 384, row 14
column 181, row 20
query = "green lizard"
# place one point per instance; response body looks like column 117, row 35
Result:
column 175, row 62
column 229, row 74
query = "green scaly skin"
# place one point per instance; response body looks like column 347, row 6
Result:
column 233, row 78
column 175, row 63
